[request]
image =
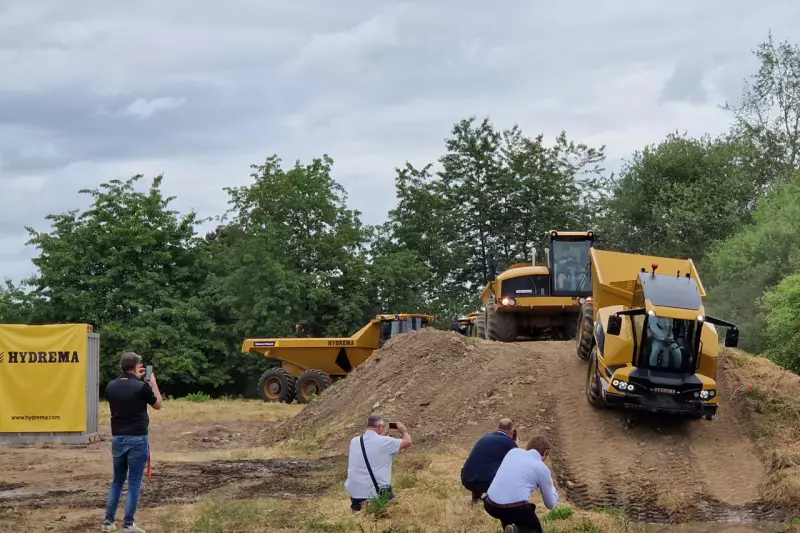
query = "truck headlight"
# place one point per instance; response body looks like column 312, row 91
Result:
column 704, row 394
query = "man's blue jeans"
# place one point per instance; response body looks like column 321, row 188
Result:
column 130, row 459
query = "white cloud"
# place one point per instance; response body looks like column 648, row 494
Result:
column 141, row 108
column 200, row 90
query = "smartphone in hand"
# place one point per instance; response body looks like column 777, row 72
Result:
column 148, row 373
column 392, row 425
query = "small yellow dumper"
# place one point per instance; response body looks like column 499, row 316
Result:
column 309, row 366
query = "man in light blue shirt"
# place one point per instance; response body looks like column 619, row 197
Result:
column 519, row 475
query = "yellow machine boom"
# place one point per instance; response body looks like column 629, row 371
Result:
column 308, row 366
column 647, row 337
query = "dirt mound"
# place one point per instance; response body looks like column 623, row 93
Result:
column 442, row 385
column 450, row 389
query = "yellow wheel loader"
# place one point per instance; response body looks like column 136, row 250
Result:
column 647, row 337
column 309, row 366
column 533, row 301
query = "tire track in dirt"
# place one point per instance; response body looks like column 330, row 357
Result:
column 660, row 469
column 583, row 432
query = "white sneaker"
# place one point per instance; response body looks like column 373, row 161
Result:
column 108, row 527
column 132, row 529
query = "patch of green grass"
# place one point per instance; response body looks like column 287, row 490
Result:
column 584, row 525
column 406, row 479
column 316, row 523
column 617, row 512
column 223, row 516
column 197, row 397
column 377, row 506
column 559, row 513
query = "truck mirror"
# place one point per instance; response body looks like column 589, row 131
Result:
column 614, row 325
column 732, row 338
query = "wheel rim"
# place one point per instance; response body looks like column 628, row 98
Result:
column 309, row 388
column 272, row 387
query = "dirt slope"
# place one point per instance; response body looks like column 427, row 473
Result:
column 450, row 390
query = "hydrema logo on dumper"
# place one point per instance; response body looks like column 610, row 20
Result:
column 39, row 357
column 341, row 342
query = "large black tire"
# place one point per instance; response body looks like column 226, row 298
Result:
column 593, row 393
column 311, row 383
column 276, row 385
column 480, row 327
column 501, row 326
column 584, row 338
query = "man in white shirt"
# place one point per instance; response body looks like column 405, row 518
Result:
column 380, row 450
column 519, row 475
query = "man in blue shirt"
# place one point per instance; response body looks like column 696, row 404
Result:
column 520, row 475
column 485, row 458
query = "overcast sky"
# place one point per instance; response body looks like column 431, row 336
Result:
column 92, row 90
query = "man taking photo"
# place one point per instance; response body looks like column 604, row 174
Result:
column 369, row 470
column 128, row 397
column 520, row 474
column 485, row 458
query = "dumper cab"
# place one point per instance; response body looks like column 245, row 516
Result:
column 536, row 300
column 658, row 350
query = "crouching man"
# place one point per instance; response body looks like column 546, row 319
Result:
column 519, row 475
column 369, row 470
column 485, row 458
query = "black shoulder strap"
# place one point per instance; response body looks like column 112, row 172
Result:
column 369, row 468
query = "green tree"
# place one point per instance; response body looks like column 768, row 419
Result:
column 131, row 268
column 296, row 253
column 740, row 269
column 767, row 116
column 678, row 197
column 781, row 310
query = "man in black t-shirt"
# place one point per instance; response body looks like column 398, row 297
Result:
column 128, row 397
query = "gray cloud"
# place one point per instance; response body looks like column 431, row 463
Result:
column 93, row 90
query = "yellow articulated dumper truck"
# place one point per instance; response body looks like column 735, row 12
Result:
column 647, row 337
column 309, row 366
column 533, row 300
column 466, row 325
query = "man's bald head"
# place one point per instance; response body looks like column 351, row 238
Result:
column 506, row 424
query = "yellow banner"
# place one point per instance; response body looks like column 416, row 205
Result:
column 43, row 378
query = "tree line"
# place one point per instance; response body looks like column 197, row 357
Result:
column 290, row 250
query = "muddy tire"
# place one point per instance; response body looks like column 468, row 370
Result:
column 311, row 383
column 501, row 327
column 584, row 337
column 276, row 385
column 593, row 393
column 480, row 327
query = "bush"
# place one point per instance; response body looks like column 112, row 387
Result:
column 781, row 308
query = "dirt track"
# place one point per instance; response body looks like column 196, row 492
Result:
column 658, row 468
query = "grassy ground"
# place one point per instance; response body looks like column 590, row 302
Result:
column 430, row 499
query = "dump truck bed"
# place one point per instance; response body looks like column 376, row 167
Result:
column 614, row 275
